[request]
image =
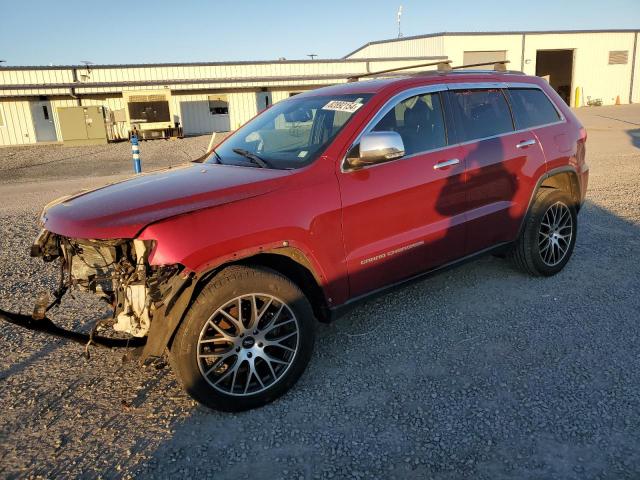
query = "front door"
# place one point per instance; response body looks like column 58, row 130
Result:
column 43, row 121
column 407, row 215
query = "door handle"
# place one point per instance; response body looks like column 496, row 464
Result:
column 526, row 143
column 448, row 163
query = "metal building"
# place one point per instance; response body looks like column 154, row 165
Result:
column 206, row 97
column 601, row 65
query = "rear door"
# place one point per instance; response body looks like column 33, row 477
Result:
column 404, row 216
column 533, row 110
column 500, row 163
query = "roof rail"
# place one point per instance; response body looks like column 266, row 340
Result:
column 440, row 64
column 498, row 66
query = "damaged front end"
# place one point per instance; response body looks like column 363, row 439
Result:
column 118, row 271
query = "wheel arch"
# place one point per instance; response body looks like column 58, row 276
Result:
column 288, row 261
column 293, row 264
column 561, row 178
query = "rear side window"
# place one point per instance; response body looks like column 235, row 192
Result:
column 531, row 108
column 419, row 122
column 480, row 113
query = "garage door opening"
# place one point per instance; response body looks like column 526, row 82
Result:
column 475, row 57
column 557, row 67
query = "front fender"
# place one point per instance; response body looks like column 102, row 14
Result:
column 290, row 222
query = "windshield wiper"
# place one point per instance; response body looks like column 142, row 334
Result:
column 218, row 157
column 255, row 159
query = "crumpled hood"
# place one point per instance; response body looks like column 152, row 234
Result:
column 123, row 209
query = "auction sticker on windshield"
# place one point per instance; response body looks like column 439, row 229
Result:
column 342, row 106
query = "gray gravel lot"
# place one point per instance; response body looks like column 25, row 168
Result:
column 480, row 372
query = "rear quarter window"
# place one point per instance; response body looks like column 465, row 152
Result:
column 532, row 108
column 480, row 113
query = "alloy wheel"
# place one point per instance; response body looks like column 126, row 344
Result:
column 556, row 232
column 248, row 344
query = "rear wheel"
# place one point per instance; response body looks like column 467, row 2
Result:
column 549, row 234
column 245, row 341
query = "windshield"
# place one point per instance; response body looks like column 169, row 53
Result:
column 290, row 134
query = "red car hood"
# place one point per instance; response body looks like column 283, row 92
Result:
column 122, row 210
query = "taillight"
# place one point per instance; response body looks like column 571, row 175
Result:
column 583, row 134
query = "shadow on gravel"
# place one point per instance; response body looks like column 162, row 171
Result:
column 635, row 137
column 480, row 372
column 36, row 356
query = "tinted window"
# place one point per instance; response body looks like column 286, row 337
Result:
column 419, row 122
column 481, row 113
column 293, row 132
column 531, row 107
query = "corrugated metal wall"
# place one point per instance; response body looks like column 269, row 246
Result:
column 455, row 46
column 591, row 70
column 240, row 81
column 104, row 86
column 17, row 128
column 242, row 107
column 402, row 48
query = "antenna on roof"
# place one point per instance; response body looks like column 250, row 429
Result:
column 312, row 56
column 87, row 64
column 399, row 20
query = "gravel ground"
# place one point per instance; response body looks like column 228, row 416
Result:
column 32, row 163
column 481, row 372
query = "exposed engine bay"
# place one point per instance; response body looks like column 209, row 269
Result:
column 116, row 270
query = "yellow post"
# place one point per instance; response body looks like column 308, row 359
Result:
column 576, row 99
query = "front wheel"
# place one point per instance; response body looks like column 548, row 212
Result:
column 549, row 234
column 245, row 341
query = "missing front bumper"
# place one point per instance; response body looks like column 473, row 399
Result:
column 47, row 326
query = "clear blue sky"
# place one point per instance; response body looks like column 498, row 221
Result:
column 40, row 32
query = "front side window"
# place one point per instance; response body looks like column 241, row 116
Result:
column 419, row 121
column 292, row 133
column 481, row 113
column 531, row 108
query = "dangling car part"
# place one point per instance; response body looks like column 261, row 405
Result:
column 118, row 272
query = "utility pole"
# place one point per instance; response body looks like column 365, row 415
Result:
column 399, row 20
column 312, row 56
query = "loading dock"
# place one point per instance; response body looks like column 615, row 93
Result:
column 557, row 67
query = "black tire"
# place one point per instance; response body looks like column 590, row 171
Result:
column 229, row 284
column 527, row 253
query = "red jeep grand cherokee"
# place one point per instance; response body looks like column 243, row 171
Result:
column 320, row 200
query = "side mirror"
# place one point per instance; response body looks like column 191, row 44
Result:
column 376, row 147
